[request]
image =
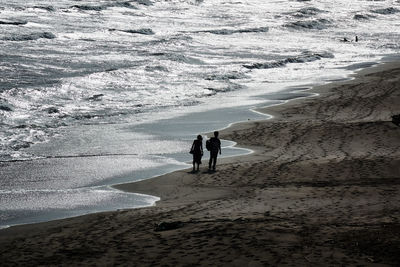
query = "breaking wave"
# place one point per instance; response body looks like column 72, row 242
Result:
column 143, row 2
column 30, row 37
column 89, row 8
column 179, row 58
column 4, row 106
column 228, row 31
column 175, row 39
column 304, row 57
column 145, row 31
column 229, row 88
column 363, row 17
column 308, row 11
column 155, row 68
column 318, row 24
column 386, row 11
column 125, row 4
column 47, row 8
column 226, row 77
column 16, row 23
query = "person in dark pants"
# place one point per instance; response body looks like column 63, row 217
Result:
column 197, row 151
column 215, row 147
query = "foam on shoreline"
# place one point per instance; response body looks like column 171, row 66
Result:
column 296, row 93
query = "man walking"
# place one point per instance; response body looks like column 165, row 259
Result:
column 214, row 146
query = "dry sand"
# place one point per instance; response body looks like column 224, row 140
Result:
column 322, row 188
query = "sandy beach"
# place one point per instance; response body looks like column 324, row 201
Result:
column 321, row 189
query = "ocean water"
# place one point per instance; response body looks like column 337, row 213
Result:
column 89, row 82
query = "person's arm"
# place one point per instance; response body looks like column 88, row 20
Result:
column 219, row 144
column 192, row 148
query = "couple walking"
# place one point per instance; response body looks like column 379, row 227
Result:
column 213, row 145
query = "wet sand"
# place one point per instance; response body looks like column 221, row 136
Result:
column 322, row 188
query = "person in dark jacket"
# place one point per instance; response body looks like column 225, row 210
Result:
column 215, row 148
column 197, row 151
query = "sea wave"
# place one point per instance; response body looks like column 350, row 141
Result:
column 155, row 68
column 386, row 11
column 15, row 23
column 178, row 58
column 5, row 106
column 363, row 16
column 307, row 12
column 143, row 2
column 233, row 31
column 226, row 76
column 47, row 8
column 125, row 4
column 304, row 57
column 89, row 8
column 30, row 37
column 145, row 31
column 223, row 89
column 173, row 40
column 317, row 24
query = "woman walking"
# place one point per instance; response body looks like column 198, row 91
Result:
column 197, row 151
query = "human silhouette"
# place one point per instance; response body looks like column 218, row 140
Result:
column 214, row 147
column 197, row 151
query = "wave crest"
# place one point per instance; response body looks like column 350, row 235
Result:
column 143, row 2
column 155, row 68
column 30, row 37
column 16, row 23
column 304, row 57
column 125, row 4
column 179, row 58
column 47, row 8
column 226, row 76
column 5, row 106
column 228, row 88
column 228, row 31
column 386, row 11
column 318, row 24
column 89, row 8
column 362, row 17
column 308, row 11
column 145, row 31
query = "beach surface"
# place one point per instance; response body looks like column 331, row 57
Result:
column 321, row 188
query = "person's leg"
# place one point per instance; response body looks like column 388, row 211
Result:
column 210, row 162
column 215, row 162
column 194, row 166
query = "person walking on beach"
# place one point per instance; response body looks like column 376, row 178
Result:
column 197, row 151
column 214, row 146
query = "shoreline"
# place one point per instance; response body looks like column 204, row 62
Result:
column 321, row 186
column 115, row 162
column 272, row 112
